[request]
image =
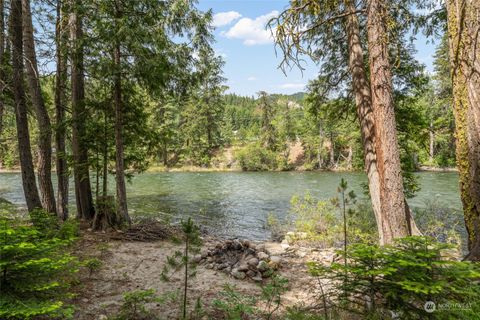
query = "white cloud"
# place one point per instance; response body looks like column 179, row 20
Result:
column 296, row 86
column 225, row 18
column 252, row 78
column 252, row 31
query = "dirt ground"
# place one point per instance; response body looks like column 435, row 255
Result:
column 128, row 266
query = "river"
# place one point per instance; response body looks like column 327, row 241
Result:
column 238, row 203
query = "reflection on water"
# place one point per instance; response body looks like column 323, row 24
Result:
column 238, row 203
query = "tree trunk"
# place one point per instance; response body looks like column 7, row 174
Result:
column 431, row 151
column 320, row 146
column 363, row 100
column 165, row 154
column 332, row 151
column 44, row 163
column 2, row 74
column 28, row 174
column 464, row 47
column 349, row 158
column 105, row 156
column 122, row 210
column 396, row 220
column 60, row 106
column 83, row 189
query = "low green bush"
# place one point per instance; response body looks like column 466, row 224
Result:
column 320, row 222
column 255, row 157
column 35, row 268
column 403, row 280
column 316, row 218
column 134, row 305
column 233, row 305
column 92, row 265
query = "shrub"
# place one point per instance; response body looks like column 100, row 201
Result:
column 400, row 279
column 134, row 305
column 34, row 269
column 316, row 218
column 254, row 157
column 93, row 265
column 233, row 305
column 319, row 221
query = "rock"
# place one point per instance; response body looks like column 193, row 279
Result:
column 252, row 262
column 227, row 270
column 242, row 267
column 222, row 266
column 284, row 244
column 262, row 255
column 275, row 262
column 209, row 266
column 210, row 259
column 275, row 259
column 238, row 274
column 197, row 258
column 249, row 256
column 257, row 277
column 251, row 273
column 260, row 247
column 85, row 300
column 246, row 243
column 274, row 248
column 262, row 266
column 301, row 254
column 102, row 317
column 237, row 245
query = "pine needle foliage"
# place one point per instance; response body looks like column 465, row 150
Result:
column 183, row 260
column 399, row 280
column 35, row 268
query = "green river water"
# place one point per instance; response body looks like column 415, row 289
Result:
column 238, row 203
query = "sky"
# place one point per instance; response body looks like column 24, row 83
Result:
column 249, row 52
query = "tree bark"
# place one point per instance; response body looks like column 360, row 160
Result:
column 28, row 174
column 464, row 42
column 83, row 189
column 60, row 106
column 105, row 156
column 363, row 101
column 44, row 161
column 431, row 151
column 332, row 151
column 122, row 210
column 320, row 145
column 396, row 220
column 349, row 158
column 2, row 74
